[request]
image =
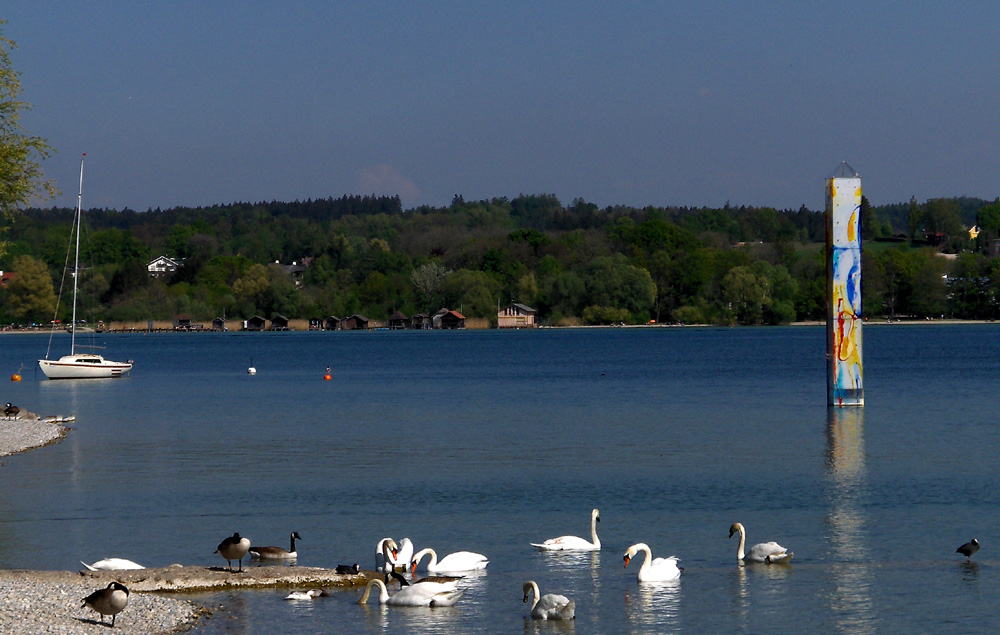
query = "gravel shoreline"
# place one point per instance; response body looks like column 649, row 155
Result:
column 51, row 601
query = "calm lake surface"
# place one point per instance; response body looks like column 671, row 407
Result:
column 486, row 441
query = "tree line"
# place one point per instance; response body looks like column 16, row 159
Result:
column 575, row 263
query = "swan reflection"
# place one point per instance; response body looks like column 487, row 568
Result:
column 654, row 606
column 538, row 627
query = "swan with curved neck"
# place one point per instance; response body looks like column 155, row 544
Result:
column 549, row 606
column 452, row 563
column 575, row 543
column 418, row 594
column 385, row 555
column 767, row 552
column 658, row 570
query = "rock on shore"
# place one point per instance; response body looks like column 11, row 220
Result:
column 26, row 432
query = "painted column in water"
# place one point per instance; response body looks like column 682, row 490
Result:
column 843, row 285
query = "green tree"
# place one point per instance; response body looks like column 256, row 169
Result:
column 20, row 173
column 429, row 279
column 30, row 295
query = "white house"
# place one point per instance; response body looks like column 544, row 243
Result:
column 163, row 266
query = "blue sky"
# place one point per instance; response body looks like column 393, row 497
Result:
column 642, row 103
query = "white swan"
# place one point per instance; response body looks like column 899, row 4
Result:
column 769, row 552
column 384, row 555
column 112, row 564
column 277, row 553
column 452, row 563
column 574, row 543
column 418, row 594
column 659, row 570
column 403, row 555
column 305, row 595
column 549, row 606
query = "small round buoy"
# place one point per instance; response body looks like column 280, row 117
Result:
column 15, row 377
column 327, row 377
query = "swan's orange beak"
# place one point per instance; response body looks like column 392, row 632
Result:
column 395, row 553
column 626, row 561
column 413, row 568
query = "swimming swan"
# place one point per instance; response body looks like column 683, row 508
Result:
column 549, row 606
column 112, row 564
column 418, row 594
column 306, row 595
column 277, row 553
column 769, row 552
column 574, row 543
column 453, row 562
column 659, row 570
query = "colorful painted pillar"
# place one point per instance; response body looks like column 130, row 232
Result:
column 843, row 286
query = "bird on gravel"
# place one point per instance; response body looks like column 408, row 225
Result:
column 108, row 601
column 344, row 569
column 234, row 548
column 11, row 411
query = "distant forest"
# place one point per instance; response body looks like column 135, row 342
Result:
column 575, row 264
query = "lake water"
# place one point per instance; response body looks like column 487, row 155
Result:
column 487, row 441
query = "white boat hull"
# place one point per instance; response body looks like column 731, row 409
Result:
column 85, row 366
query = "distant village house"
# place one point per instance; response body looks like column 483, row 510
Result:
column 163, row 266
column 516, row 316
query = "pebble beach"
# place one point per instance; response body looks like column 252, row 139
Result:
column 51, row 601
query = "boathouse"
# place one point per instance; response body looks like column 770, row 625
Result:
column 256, row 323
column 516, row 316
column 452, row 320
column 398, row 320
column 219, row 324
column 420, row 321
column 332, row 323
column 356, row 322
column 279, row 323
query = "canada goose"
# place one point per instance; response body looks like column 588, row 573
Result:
column 11, row 411
column 968, row 549
column 277, row 553
column 769, row 552
column 108, row 601
column 343, row 569
column 234, row 548
column 575, row 543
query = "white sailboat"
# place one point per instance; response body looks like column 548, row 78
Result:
column 80, row 365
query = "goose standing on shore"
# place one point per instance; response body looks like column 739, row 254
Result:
column 768, row 552
column 659, row 570
column 234, row 548
column 108, row 601
column 11, row 412
column 457, row 562
column 575, row 543
column 277, row 553
column 549, row 606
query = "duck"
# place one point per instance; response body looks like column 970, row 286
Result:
column 110, row 600
column 416, row 594
column 454, row 562
column 11, row 411
column 658, row 570
column 767, row 552
column 549, row 606
column 234, row 548
column 968, row 549
column 112, row 564
column 575, row 543
column 343, row 569
column 277, row 553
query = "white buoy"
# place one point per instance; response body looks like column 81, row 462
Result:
column 251, row 370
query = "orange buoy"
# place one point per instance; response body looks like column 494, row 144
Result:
column 15, row 377
column 327, row 377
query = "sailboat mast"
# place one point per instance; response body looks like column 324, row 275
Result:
column 76, row 261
